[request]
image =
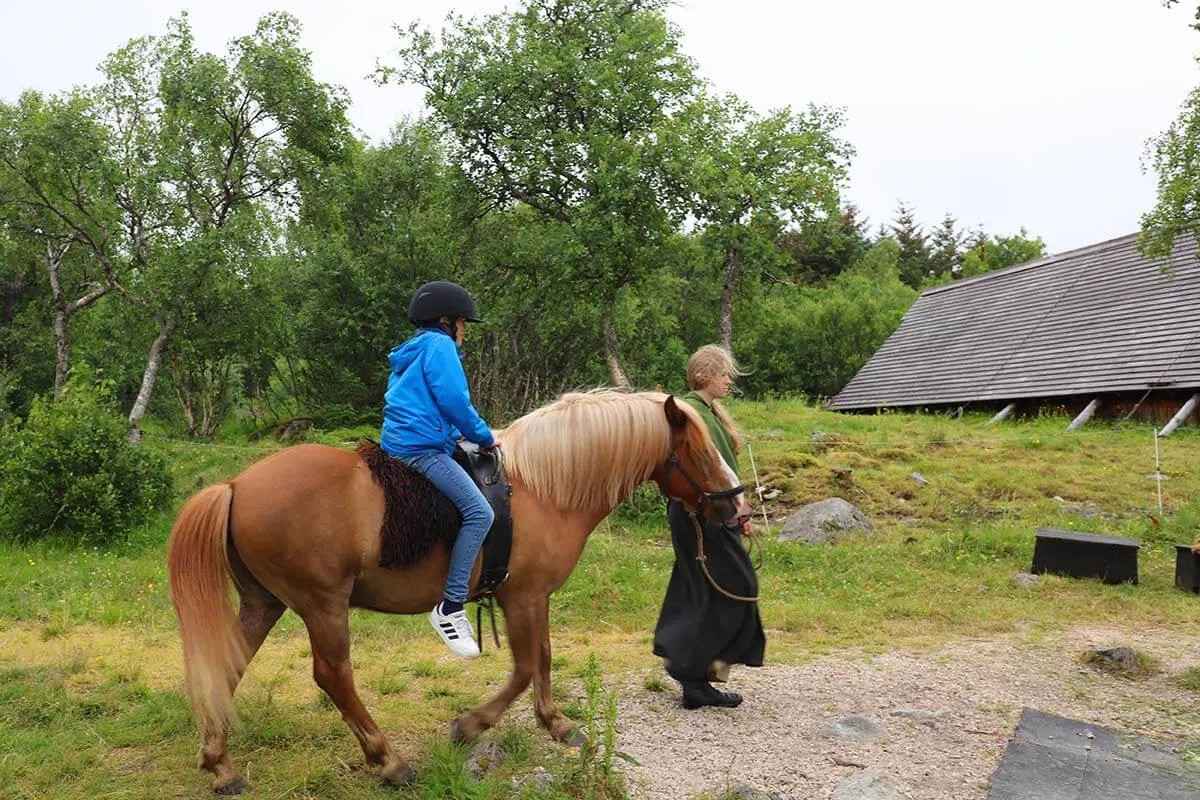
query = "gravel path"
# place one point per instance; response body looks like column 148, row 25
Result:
column 977, row 688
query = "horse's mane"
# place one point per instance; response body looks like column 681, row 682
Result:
column 589, row 450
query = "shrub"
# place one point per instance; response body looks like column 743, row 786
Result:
column 69, row 472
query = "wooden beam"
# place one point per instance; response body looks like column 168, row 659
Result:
column 1004, row 414
column 1180, row 415
column 1084, row 415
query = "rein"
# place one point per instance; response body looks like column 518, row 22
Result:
column 694, row 514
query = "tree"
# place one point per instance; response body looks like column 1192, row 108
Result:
column 914, row 263
column 1175, row 158
column 752, row 176
column 562, row 106
column 391, row 217
column 214, row 152
column 990, row 253
column 824, row 248
column 946, row 244
column 57, row 188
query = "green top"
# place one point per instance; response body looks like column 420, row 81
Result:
column 716, row 430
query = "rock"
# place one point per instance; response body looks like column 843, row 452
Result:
column 922, row 715
column 919, row 479
column 484, row 758
column 855, row 728
column 824, row 521
column 1023, row 580
column 539, row 779
column 744, row 790
column 868, row 785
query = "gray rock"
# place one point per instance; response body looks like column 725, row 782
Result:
column 823, row 521
column 744, row 790
column 539, row 779
column 484, row 758
column 919, row 479
column 868, row 785
column 922, row 715
column 855, row 728
column 1023, row 580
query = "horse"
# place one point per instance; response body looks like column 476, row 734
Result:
column 301, row 530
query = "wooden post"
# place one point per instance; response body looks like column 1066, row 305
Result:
column 1084, row 415
column 1180, row 416
column 1004, row 414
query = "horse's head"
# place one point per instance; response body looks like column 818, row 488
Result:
column 695, row 475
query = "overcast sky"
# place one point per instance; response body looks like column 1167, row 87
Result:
column 1004, row 113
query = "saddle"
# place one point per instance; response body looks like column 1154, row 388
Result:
column 487, row 470
column 418, row 517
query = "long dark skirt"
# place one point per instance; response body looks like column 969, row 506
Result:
column 698, row 626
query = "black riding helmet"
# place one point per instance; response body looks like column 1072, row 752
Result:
column 441, row 299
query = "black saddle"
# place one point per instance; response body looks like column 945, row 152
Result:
column 486, row 468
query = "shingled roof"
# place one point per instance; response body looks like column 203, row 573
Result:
column 1091, row 321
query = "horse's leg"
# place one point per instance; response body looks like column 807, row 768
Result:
column 329, row 633
column 259, row 612
column 561, row 727
column 520, row 617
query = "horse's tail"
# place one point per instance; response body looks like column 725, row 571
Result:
column 214, row 647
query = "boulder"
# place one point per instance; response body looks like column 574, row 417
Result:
column 824, row 521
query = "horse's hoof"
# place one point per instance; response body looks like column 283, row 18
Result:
column 576, row 739
column 233, row 788
column 458, row 733
column 401, row 777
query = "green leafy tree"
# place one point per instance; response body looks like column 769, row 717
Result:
column 562, row 106
column 58, row 190
column 752, row 176
column 990, row 253
column 823, row 248
column 814, row 339
column 216, row 151
column 391, row 218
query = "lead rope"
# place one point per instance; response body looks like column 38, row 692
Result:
column 488, row 600
column 703, row 559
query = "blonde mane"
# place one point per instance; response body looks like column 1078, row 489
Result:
column 589, row 450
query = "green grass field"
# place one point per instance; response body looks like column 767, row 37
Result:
column 91, row 701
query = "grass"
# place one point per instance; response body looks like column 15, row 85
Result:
column 90, row 673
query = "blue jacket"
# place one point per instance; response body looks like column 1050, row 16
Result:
column 427, row 403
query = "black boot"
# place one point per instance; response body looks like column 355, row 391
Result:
column 697, row 694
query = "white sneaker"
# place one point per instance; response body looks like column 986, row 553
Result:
column 455, row 630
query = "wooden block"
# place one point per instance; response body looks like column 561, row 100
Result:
column 1187, row 569
column 1112, row 559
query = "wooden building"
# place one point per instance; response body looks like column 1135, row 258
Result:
column 1100, row 330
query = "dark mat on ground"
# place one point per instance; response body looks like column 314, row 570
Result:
column 1055, row 758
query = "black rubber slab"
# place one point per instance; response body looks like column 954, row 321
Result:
column 1055, row 758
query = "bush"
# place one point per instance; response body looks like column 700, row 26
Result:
column 69, row 472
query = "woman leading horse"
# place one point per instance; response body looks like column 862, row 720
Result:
column 300, row 530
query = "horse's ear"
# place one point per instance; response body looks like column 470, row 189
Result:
column 675, row 415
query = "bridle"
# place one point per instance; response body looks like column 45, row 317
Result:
column 672, row 462
column 706, row 497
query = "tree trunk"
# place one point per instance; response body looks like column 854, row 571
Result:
column 733, row 273
column 612, row 351
column 153, row 364
column 62, row 339
column 55, row 253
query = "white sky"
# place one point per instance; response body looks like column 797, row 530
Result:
column 1005, row 113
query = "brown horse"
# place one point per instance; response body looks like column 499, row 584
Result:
column 301, row 530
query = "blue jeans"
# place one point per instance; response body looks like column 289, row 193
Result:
column 454, row 482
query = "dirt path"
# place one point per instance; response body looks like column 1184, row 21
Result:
column 978, row 687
